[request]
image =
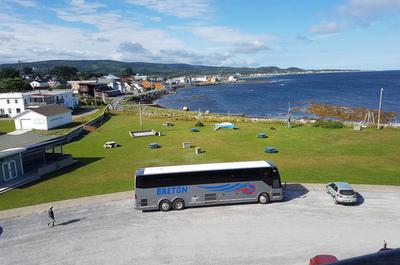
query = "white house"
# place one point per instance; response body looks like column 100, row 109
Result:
column 113, row 82
column 43, row 118
column 231, row 78
column 199, row 79
column 39, row 84
column 139, row 77
column 56, row 96
column 12, row 104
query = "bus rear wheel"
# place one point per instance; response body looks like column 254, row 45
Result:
column 263, row 198
column 178, row 204
column 165, row 205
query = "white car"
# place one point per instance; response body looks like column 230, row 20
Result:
column 341, row 192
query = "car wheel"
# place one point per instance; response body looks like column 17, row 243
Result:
column 165, row 205
column 263, row 198
column 178, row 205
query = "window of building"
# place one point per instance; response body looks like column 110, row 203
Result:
column 8, row 101
column 18, row 111
column 16, row 101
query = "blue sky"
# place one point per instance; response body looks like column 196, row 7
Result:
column 312, row 34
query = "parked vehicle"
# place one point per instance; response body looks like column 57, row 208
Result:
column 111, row 144
column 342, row 192
column 178, row 187
column 323, row 259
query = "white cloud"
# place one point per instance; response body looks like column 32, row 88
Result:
column 114, row 35
column 327, row 28
column 227, row 35
column 369, row 8
column 83, row 7
column 155, row 19
column 249, row 47
column 131, row 47
column 23, row 3
column 176, row 8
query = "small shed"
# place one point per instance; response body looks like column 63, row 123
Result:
column 43, row 118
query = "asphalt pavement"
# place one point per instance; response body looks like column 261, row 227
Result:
column 305, row 224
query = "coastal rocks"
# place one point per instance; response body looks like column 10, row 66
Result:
column 347, row 113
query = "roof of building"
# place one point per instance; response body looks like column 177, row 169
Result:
column 50, row 110
column 26, row 140
column 205, row 167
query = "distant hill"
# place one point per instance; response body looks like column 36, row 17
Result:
column 115, row 67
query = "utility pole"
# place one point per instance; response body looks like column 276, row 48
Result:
column 140, row 117
column 95, row 99
column 289, row 117
column 379, row 110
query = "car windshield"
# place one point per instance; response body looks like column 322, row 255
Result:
column 346, row 192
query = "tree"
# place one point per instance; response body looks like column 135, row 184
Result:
column 8, row 73
column 14, row 84
column 88, row 75
column 65, row 73
column 27, row 70
column 127, row 72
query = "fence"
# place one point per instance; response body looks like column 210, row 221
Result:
column 79, row 131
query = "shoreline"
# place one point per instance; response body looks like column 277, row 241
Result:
column 255, row 118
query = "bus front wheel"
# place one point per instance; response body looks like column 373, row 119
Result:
column 178, row 204
column 263, row 198
column 165, row 205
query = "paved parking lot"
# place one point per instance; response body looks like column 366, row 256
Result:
column 290, row 232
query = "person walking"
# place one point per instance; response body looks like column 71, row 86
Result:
column 51, row 217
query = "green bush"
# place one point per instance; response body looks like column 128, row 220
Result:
column 328, row 124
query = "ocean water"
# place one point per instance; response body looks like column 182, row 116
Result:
column 269, row 97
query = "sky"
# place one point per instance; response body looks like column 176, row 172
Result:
column 310, row 34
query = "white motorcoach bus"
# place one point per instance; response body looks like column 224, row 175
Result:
column 177, row 187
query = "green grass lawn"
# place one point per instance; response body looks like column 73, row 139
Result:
column 306, row 154
column 6, row 126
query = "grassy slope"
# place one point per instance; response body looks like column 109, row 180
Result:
column 306, row 155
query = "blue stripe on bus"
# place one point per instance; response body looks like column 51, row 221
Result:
column 226, row 187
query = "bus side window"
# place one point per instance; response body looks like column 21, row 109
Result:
column 267, row 178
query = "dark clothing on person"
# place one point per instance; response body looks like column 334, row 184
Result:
column 51, row 216
column 51, row 213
